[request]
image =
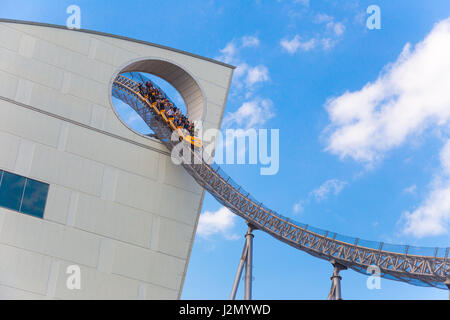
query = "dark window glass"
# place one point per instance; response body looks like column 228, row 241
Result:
column 11, row 191
column 34, row 198
column 22, row 194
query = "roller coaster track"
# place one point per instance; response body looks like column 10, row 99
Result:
column 422, row 266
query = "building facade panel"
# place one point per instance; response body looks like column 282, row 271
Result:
column 174, row 238
column 130, row 158
column 58, row 204
column 9, row 293
column 53, row 35
column 9, row 85
column 10, row 148
column 74, row 172
column 113, row 220
column 95, row 285
column 10, row 38
column 184, row 209
column 27, row 124
column 50, row 239
column 52, row 100
column 146, row 266
column 24, row 269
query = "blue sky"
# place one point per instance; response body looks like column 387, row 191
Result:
column 363, row 118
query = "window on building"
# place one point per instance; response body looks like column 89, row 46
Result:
column 22, row 194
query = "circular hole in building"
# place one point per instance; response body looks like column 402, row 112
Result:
column 127, row 107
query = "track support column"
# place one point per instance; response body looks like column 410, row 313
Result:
column 239, row 272
column 249, row 264
column 335, row 292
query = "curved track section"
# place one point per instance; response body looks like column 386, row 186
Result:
column 422, row 266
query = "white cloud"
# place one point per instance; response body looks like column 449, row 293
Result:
column 308, row 45
column 433, row 216
column 251, row 114
column 256, row 75
column 324, row 41
column 411, row 95
column 411, row 189
column 330, row 186
column 328, row 43
column 228, row 53
column 302, row 2
column 291, row 46
column 337, row 27
column 244, row 75
column 322, row 17
column 250, row 41
column 298, row 207
column 445, row 159
column 295, row 44
column 241, row 70
column 221, row 221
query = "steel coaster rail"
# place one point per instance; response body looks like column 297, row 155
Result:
column 430, row 270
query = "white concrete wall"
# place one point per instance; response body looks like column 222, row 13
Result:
column 117, row 206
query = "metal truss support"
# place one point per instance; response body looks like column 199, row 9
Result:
column 447, row 283
column 335, row 292
column 239, row 272
column 247, row 262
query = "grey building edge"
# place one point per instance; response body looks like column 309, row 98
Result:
column 48, row 25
